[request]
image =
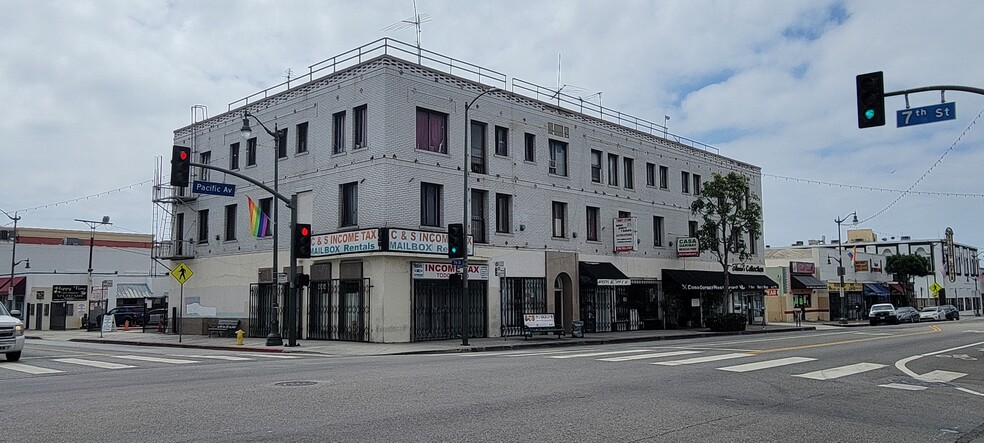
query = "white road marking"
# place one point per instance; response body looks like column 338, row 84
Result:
column 217, row 357
column 695, row 360
column 93, row 363
column 970, row 391
column 272, row 355
column 174, row 361
column 900, row 365
column 514, row 353
column 20, row 367
column 843, row 371
column 597, row 354
column 903, row 387
column 644, row 356
column 748, row 367
column 940, row 376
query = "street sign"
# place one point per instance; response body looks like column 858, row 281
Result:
column 935, row 289
column 182, row 273
column 458, row 262
column 211, row 188
column 925, row 114
column 282, row 278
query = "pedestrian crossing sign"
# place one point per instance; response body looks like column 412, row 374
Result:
column 182, row 273
column 935, row 289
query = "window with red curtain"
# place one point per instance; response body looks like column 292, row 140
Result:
column 432, row 130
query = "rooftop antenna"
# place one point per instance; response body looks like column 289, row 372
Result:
column 562, row 86
column 415, row 21
column 287, row 75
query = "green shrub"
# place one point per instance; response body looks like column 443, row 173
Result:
column 727, row 322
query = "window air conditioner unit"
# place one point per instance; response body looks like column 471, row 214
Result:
column 265, row 275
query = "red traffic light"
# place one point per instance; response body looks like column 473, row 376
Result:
column 184, row 155
column 304, row 231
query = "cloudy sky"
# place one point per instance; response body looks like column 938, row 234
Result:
column 92, row 91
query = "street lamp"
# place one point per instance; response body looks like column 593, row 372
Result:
column 13, row 255
column 466, row 221
column 840, row 262
column 92, row 237
column 273, row 338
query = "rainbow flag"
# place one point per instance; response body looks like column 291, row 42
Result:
column 259, row 223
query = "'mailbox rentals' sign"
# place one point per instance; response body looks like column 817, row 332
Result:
column 441, row 271
column 366, row 240
column 406, row 240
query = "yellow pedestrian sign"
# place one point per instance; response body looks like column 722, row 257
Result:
column 182, row 273
column 935, row 289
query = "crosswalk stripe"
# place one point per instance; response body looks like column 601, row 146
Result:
column 941, row 376
column 93, row 363
column 272, row 355
column 843, row 371
column 709, row 358
column 748, row 367
column 217, row 357
column 903, row 386
column 597, row 354
column 174, row 361
column 20, row 367
column 645, row 356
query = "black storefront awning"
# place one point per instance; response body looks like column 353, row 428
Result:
column 590, row 273
column 714, row 281
column 807, row 282
column 755, row 282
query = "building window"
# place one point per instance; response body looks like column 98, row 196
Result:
column 751, row 243
column 432, row 131
column 251, row 152
column 693, row 228
column 360, row 123
column 627, row 165
column 478, row 216
column 349, row 207
column 664, row 177
column 430, row 204
column 685, row 181
column 503, row 213
column 596, row 166
column 230, row 222
column 203, row 226
column 697, row 184
column 302, row 129
column 658, row 232
column 204, row 158
column 613, row 169
column 338, row 133
column 558, row 158
column 266, row 207
column 530, row 147
column 234, row 156
column 501, row 141
column 478, row 147
column 592, row 225
column 282, row 143
column 650, row 174
column 559, row 220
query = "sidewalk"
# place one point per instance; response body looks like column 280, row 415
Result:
column 345, row 348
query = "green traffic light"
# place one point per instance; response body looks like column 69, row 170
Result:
column 869, row 114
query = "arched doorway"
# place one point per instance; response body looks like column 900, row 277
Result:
column 563, row 303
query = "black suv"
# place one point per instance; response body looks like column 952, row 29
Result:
column 951, row 312
column 122, row 314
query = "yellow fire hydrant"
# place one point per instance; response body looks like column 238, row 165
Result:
column 239, row 337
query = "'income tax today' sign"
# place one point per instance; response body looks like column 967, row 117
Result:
column 442, row 271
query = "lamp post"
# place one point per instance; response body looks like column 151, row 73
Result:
column 13, row 255
column 840, row 261
column 92, row 237
column 466, row 221
column 273, row 338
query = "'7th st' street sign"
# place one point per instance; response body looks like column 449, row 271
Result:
column 925, row 114
column 214, row 188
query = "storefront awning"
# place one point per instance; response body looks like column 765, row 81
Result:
column 896, row 288
column 19, row 285
column 876, row 290
column 755, row 282
column 807, row 282
column 696, row 280
column 591, row 273
column 133, row 290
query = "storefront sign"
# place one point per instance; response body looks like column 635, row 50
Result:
column 688, row 247
column 799, row 267
column 861, row 266
column 538, row 320
column 69, row 292
column 625, row 234
column 422, row 242
column 366, row 240
column 747, row 267
column 441, row 271
column 849, row 287
column 772, row 292
column 613, row 282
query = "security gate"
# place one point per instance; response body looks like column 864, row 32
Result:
column 437, row 309
column 263, row 308
column 339, row 310
column 520, row 296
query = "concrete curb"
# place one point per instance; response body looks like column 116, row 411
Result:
column 177, row 345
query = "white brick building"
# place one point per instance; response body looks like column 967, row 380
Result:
column 373, row 148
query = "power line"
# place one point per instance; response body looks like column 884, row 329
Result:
column 98, row 194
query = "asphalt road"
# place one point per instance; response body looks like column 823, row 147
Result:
column 918, row 383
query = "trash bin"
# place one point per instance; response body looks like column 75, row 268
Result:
column 577, row 329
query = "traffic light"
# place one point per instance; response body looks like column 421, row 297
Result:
column 302, row 240
column 456, row 241
column 871, row 100
column 180, row 166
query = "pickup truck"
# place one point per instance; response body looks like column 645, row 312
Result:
column 11, row 334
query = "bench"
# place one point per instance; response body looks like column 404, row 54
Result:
column 540, row 324
column 224, row 327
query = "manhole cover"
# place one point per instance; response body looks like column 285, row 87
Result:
column 296, row 383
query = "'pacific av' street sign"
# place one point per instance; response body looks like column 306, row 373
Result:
column 926, row 114
column 211, row 188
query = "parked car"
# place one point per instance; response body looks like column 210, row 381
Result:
column 932, row 313
column 882, row 312
column 11, row 334
column 122, row 314
column 951, row 312
column 907, row 314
